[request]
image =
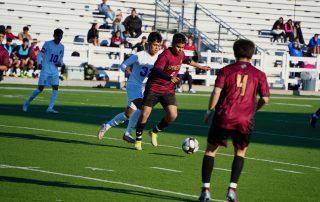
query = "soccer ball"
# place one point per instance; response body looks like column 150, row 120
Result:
column 190, row 145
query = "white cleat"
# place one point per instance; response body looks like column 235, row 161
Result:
column 103, row 130
column 25, row 106
column 192, row 91
column 52, row 111
column 178, row 90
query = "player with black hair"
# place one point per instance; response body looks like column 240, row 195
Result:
column 234, row 102
column 161, row 88
column 48, row 60
column 142, row 63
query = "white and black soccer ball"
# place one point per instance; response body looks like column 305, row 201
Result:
column 190, row 145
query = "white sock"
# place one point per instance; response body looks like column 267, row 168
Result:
column 233, row 185
column 206, row 185
column 118, row 119
column 34, row 94
column 133, row 121
column 53, row 99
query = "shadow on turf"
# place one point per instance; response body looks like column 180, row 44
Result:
column 169, row 155
column 54, row 139
column 73, row 186
column 189, row 122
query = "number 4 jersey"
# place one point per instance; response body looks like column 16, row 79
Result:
column 240, row 83
column 51, row 55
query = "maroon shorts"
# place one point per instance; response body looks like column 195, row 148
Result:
column 219, row 136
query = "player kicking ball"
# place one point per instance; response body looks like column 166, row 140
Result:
column 161, row 86
column 142, row 63
column 234, row 102
column 48, row 60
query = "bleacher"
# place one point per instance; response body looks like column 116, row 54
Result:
column 248, row 17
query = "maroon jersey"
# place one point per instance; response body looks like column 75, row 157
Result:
column 4, row 56
column 170, row 65
column 240, row 83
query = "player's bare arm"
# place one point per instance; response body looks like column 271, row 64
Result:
column 261, row 102
column 197, row 65
column 214, row 98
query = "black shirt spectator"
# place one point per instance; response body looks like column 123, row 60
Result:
column 297, row 32
column 278, row 22
column 141, row 46
column 93, row 35
column 133, row 24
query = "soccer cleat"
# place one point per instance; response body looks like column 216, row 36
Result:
column 231, row 195
column 25, row 106
column 52, row 111
column 154, row 137
column 192, row 91
column 102, row 131
column 205, row 196
column 313, row 120
column 138, row 145
column 179, row 90
column 128, row 138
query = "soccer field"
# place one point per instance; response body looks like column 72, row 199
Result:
column 57, row 157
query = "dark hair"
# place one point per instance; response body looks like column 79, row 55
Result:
column 243, row 48
column 93, row 25
column 179, row 38
column 2, row 29
column 25, row 28
column 9, row 27
column 25, row 40
column 9, row 39
column 57, row 31
column 154, row 36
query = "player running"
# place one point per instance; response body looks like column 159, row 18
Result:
column 161, row 86
column 48, row 60
column 142, row 63
column 314, row 117
column 234, row 102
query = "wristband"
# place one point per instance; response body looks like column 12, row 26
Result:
column 208, row 112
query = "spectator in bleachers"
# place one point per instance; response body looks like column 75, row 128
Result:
column 105, row 10
column 184, row 75
column 288, row 29
column 21, row 57
column 297, row 32
column 4, row 56
column 141, row 46
column 24, row 34
column 93, row 35
column 116, row 40
column 9, row 34
column 126, row 43
column 277, row 33
column 295, row 51
column 34, row 52
column 314, row 45
column 9, row 47
column 133, row 24
column 117, row 23
column 278, row 22
column 191, row 46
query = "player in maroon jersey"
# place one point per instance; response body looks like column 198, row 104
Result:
column 234, row 101
column 4, row 56
column 161, row 86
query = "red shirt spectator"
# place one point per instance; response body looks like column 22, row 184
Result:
column 9, row 35
column 116, row 40
column 190, row 45
column 34, row 50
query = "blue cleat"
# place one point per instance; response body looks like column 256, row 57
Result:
column 128, row 138
column 313, row 120
column 205, row 196
column 231, row 195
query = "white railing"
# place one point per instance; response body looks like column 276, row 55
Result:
column 277, row 75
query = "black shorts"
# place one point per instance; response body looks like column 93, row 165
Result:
column 219, row 136
column 151, row 98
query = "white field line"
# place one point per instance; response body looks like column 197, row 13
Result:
column 123, row 92
column 222, row 169
column 288, row 171
column 182, row 124
column 168, row 146
column 106, row 181
column 166, row 169
column 295, row 105
column 99, row 169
